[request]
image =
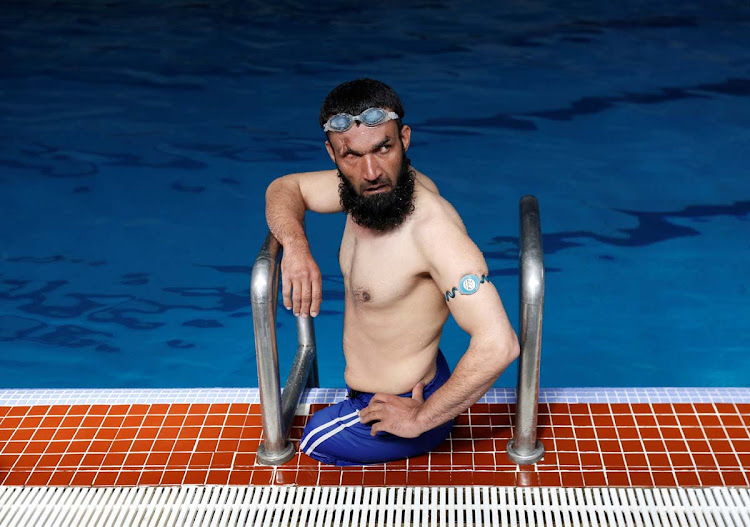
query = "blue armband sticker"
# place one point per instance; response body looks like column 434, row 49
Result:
column 468, row 285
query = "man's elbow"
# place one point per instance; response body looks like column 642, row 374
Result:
column 506, row 351
column 278, row 185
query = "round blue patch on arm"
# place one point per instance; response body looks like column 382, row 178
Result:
column 468, row 284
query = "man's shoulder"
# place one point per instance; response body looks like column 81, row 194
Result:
column 432, row 209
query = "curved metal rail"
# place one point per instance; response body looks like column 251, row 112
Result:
column 278, row 410
column 523, row 447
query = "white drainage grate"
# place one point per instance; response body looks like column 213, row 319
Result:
column 218, row 506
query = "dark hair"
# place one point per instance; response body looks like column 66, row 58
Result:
column 354, row 97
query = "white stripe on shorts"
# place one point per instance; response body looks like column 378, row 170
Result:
column 324, row 426
column 331, row 433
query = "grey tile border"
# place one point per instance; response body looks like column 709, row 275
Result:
column 333, row 395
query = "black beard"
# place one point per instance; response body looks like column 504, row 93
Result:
column 383, row 211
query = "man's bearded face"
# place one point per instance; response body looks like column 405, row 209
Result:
column 383, row 211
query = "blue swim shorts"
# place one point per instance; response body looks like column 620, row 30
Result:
column 335, row 436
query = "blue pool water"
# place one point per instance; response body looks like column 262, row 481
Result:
column 136, row 143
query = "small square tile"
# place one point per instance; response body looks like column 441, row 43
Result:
column 374, row 478
column 172, row 477
column 687, row 478
column 679, row 460
column 157, row 459
column 39, row 478
column 440, row 478
column 114, row 459
column 645, row 421
column 128, row 479
column 49, row 461
column 61, row 478
column 588, row 445
column 648, row 432
column 676, row 445
column 727, row 461
column 201, row 460
column 606, row 433
column 413, row 479
column 569, row 459
column 198, row 477
column 733, row 479
column 594, row 479
column 710, row 478
column 704, row 460
column 151, row 477
column 688, row 421
column 178, row 460
column 624, row 421
column 92, row 460
column 333, row 477
column 550, row 479
column 613, row 460
column 565, row 445
column 83, row 479
column 666, row 420
column 27, row 461
column 355, row 476
column 217, row 477
column 698, row 445
column 654, row 446
column 136, row 459
column 720, row 445
column 618, row 478
column 709, row 420
column 693, row 433
column 440, row 459
column 222, row 460
column 591, row 459
column 639, row 478
column 526, row 478
column 239, row 477
column 636, row 460
column 664, row 479
column 585, row 433
column 658, row 460
column 572, row 479
column 17, row 477
column 505, row 478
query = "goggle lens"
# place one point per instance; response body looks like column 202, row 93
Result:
column 341, row 121
column 371, row 117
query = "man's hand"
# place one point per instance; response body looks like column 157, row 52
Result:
column 394, row 414
column 301, row 281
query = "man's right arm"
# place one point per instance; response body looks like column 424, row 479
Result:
column 287, row 199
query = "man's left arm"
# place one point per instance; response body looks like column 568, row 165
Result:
column 451, row 255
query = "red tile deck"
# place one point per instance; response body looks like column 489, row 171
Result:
column 587, row 444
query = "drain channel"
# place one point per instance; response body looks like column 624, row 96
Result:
column 217, row 506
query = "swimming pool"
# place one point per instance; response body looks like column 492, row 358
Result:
column 137, row 144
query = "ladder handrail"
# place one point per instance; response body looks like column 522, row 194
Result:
column 524, row 448
column 277, row 410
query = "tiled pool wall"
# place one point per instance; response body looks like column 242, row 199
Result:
column 623, row 437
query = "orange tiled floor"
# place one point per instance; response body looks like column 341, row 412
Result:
column 597, row 444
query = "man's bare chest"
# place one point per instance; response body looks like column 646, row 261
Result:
column 378, row 270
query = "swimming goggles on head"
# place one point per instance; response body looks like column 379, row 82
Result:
column 341, row 122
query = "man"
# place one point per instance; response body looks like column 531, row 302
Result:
column 407, row 264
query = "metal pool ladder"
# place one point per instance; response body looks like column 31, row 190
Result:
column 278, row 410
column 523, row 447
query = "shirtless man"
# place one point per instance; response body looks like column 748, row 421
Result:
column 407, row 263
